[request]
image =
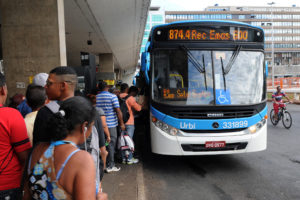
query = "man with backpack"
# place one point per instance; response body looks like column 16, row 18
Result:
column 122, row 101
column 110, row 105
column 132, row 105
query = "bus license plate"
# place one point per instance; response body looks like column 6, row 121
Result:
column 215, row 144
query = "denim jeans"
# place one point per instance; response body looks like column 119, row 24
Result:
column 130, row 132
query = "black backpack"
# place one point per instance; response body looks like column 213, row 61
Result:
column 124, row 108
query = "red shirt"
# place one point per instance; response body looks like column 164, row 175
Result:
column 13, row 138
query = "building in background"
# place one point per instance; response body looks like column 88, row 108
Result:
column 156, row 16
column 286, row 26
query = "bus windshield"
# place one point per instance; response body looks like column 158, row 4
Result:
column 207, row 77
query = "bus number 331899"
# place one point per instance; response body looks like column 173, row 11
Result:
column 236, row 124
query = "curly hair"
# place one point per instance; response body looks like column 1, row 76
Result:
column 73, row 111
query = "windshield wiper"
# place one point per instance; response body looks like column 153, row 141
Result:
column 232, row 59
column 193, row 60
column 223, row 72
column 203, row 62
column 200, row 68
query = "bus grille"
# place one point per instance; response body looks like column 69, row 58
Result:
column 221, row 114
column 201, row 147
column 213, row 131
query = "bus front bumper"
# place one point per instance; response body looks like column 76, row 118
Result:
column 235, row 142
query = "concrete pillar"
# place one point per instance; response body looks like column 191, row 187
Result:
column 106, row 67
column 33, row 39
column 106, row 62
column 118, row 73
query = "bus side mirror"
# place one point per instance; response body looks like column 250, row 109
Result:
column 267, row 72
column 145, row 65
column 147, row 62
column 143, row 61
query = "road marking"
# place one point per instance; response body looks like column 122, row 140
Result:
column 141, row 195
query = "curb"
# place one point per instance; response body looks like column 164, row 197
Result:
column 140, row 183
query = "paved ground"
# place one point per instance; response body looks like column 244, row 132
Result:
column 272, row 174
column 123, row 185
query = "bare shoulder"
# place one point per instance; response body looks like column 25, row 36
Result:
column 83, row 165
column 83, row 158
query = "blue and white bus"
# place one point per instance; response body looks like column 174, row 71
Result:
column 207, row 88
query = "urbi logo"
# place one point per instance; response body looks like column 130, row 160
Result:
column 184, row 125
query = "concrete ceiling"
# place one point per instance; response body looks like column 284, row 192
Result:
column 114, row 26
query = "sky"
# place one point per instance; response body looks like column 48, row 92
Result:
column 200, row 5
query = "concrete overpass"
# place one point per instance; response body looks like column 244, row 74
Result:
column 40, row 35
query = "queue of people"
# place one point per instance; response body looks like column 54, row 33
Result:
column 57, row 145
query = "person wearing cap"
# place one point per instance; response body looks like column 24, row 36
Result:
column 40, row 80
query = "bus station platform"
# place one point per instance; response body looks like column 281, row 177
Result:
column 127, row 184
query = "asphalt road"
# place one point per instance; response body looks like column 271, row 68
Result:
column 273, row 174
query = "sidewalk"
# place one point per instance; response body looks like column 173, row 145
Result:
column 127, row 184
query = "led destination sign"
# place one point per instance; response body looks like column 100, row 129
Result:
column 226, row 33
column 183, row 94
column 212, row 34
column 174, row 94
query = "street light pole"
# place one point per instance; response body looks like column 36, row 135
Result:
column 272, row 43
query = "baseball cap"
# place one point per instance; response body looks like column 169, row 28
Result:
column 40, row 79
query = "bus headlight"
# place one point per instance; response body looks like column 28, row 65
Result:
column 256, row 127
column 159, row 124
column 173, row 131
column 252, row 129
column 165, row 127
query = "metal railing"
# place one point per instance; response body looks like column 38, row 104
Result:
column 290, row 82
